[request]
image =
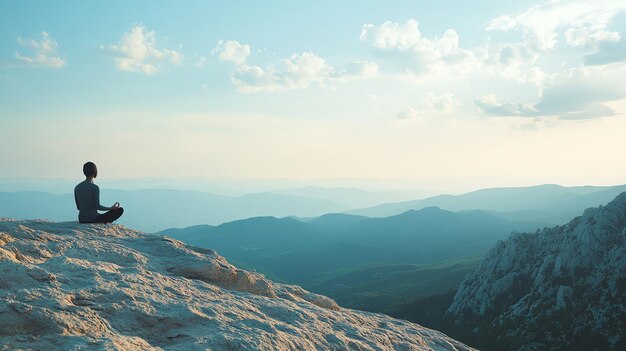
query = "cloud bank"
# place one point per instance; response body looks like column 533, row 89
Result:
column 403, row 45
column 44, row 52
column 232, row 50
column 137, row 52
column 580, row 93
column 298, row 71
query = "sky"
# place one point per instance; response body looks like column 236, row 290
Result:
column 440, row 94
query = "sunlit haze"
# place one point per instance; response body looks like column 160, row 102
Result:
column 438, row 96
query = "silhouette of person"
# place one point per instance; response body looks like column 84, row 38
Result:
column 87, row 197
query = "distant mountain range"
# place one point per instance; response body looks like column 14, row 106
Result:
column 155, row 209
column 344, row 255
column 550, row 204
column 414, row 237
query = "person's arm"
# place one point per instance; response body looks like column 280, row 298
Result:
column 76, row 199
column 97, row 198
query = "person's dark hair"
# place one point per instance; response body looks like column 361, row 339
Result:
column 90, row 170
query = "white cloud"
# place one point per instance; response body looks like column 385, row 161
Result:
column 582, row 91
column 579, row 93
column 404, row 45
column 232, row 50
column 45, row 44
column 504, row 22
column 306, row 67
column 584, row 35
column 299, row 71
column 137, row 52
column 514, row 61
column 564, row 92
column 44, row 52
column 541, row 24
column 573, row 93
column 392, row 35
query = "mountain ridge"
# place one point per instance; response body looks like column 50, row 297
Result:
column 561, row 288
column 410, row 235
column 559, row 203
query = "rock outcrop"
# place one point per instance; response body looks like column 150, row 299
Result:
column 67, row 286
column 562, row 288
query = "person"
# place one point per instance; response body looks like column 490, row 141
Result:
column 87, row 197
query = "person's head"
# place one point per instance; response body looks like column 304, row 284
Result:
column 90, row 170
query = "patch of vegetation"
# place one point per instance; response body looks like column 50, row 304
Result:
column 396, row 289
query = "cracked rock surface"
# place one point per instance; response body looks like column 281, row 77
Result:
column 561, row 288
column 70, row 286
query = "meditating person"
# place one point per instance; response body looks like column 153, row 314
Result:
column 87, row 196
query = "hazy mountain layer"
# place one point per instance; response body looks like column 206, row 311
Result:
column 93, row 287
column 157, row 209
column 562, row 288
column 353, row 197
column 551, row 204
column 297, row 251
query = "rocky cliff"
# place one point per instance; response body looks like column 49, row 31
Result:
column 562, row 288
column 66, row 286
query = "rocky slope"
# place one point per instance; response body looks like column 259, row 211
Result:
column 66, row 286
column 562, row 288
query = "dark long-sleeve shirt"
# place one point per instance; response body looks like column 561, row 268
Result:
column 87, row 197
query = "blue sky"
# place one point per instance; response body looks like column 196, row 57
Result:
column 512, row 93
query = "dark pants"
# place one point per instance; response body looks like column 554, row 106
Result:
column 109, row 216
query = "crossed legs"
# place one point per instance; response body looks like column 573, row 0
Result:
column 109, row 216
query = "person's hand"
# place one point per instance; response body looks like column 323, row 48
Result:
column 116, row 205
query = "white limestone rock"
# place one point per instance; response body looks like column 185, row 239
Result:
column 553, row 288
column 67, row 286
